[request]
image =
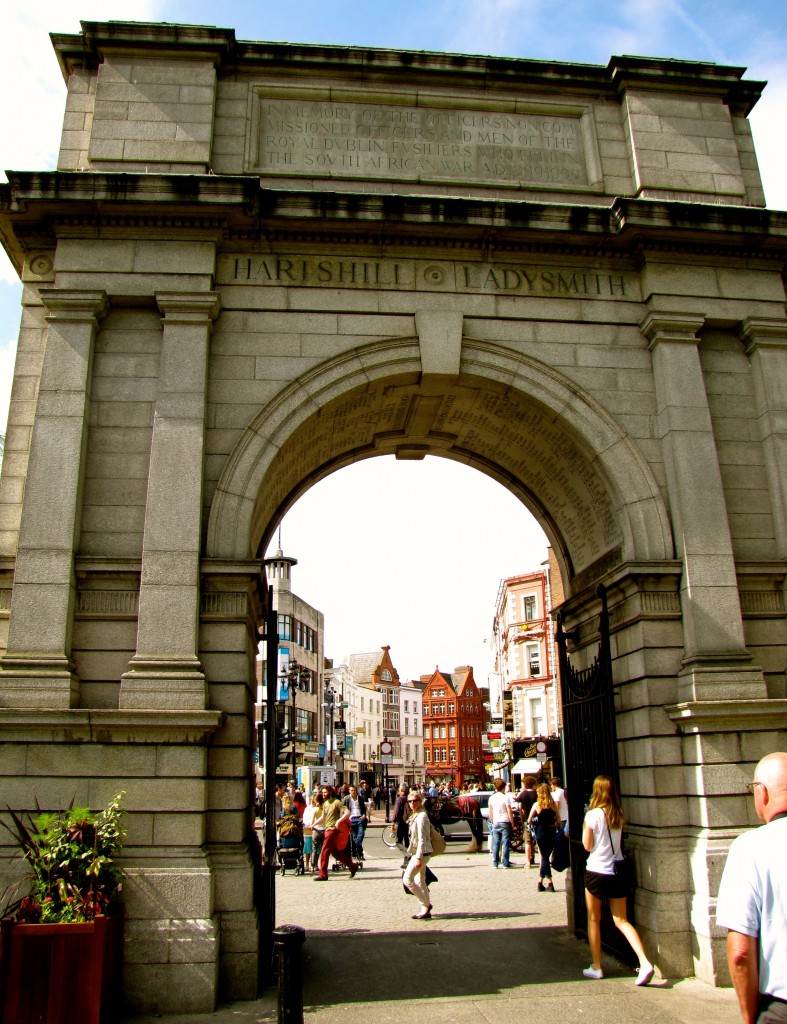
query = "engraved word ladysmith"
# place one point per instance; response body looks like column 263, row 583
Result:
column 421, row 275
column 362, row 140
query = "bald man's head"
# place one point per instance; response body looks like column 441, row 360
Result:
column 770, row 790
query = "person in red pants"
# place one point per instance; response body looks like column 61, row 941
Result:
column 333, row 812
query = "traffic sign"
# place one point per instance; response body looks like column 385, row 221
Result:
column 386, row 758
column 386, row 748
column 541, row 747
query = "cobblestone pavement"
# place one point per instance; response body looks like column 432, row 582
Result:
column 495, row 950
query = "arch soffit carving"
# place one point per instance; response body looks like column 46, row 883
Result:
column 510, row 416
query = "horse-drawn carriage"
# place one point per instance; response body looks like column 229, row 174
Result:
column 458, row 817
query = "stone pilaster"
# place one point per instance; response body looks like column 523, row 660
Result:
column 716, row 664
column 37, row 669
column 165, row 671
column 766, row 347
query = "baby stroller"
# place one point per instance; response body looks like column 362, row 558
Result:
column 289, row 843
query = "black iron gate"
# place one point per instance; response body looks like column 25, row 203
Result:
column 591, row 749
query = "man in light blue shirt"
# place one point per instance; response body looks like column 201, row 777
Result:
column 752, row 900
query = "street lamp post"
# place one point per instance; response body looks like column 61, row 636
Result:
column 296, row 677
column 330, row 701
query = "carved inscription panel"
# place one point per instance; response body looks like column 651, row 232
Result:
column 511, row 431
column 298, row 270
column 363, row 140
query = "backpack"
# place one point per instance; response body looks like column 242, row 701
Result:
column 437, row 840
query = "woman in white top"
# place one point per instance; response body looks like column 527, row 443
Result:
column 311, row 812
column 602, row 834
column 420, row 850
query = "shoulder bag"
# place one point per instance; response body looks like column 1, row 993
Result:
column 623, row 864
column 437, row 840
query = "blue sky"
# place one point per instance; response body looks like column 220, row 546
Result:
column 751, row 34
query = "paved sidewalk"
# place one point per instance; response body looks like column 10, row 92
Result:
column 496, row 950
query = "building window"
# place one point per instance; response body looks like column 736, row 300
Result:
column 427, row 755
column 426, row 709
column 442, row 732
column 285, row 627
column 536, row 716
column 386, row 676
column 304, row 725
column 427, row 732
column 451, row 708
column 407, row 751
column 471, row 692
column 452, row 754
column 452, row 732
column 415, row 752
column 534, row 659
column 407, row 705
column 529, row 604
column 407, row 726
column 361, row 703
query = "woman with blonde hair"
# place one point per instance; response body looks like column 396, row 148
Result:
column 309, row 814
column 420, row 850
column 545, row 819
column 602, row 836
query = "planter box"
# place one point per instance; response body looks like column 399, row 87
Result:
column 60, row 973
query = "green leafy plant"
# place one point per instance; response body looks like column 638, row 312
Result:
column 71, row 854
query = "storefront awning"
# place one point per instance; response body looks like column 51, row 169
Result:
column 526, row 766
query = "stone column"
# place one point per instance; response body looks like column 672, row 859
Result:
column 37, row 669
column 766, row 347
column 165, row 671
column 716, row 664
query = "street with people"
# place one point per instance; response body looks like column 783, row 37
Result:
column 513, row 921
column 493, row 948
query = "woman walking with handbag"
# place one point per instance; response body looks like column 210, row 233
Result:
column 546, row 821
column 420, row 850
column 602, row 837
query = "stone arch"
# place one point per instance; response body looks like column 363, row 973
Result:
column 508, row 415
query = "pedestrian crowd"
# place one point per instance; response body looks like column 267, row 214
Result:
column 752, row 903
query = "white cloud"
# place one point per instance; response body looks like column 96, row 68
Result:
column 34, row 92
column 7, row 355
column 489, row 26
column 769, row 139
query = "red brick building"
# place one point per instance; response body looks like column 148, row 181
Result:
column 453, row 721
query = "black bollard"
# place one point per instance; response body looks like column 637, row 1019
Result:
column 288, row 940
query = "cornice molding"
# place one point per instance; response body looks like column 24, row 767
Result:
column 98, row 41
column 704, row 716
column 38, row 208
column 46, row 725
